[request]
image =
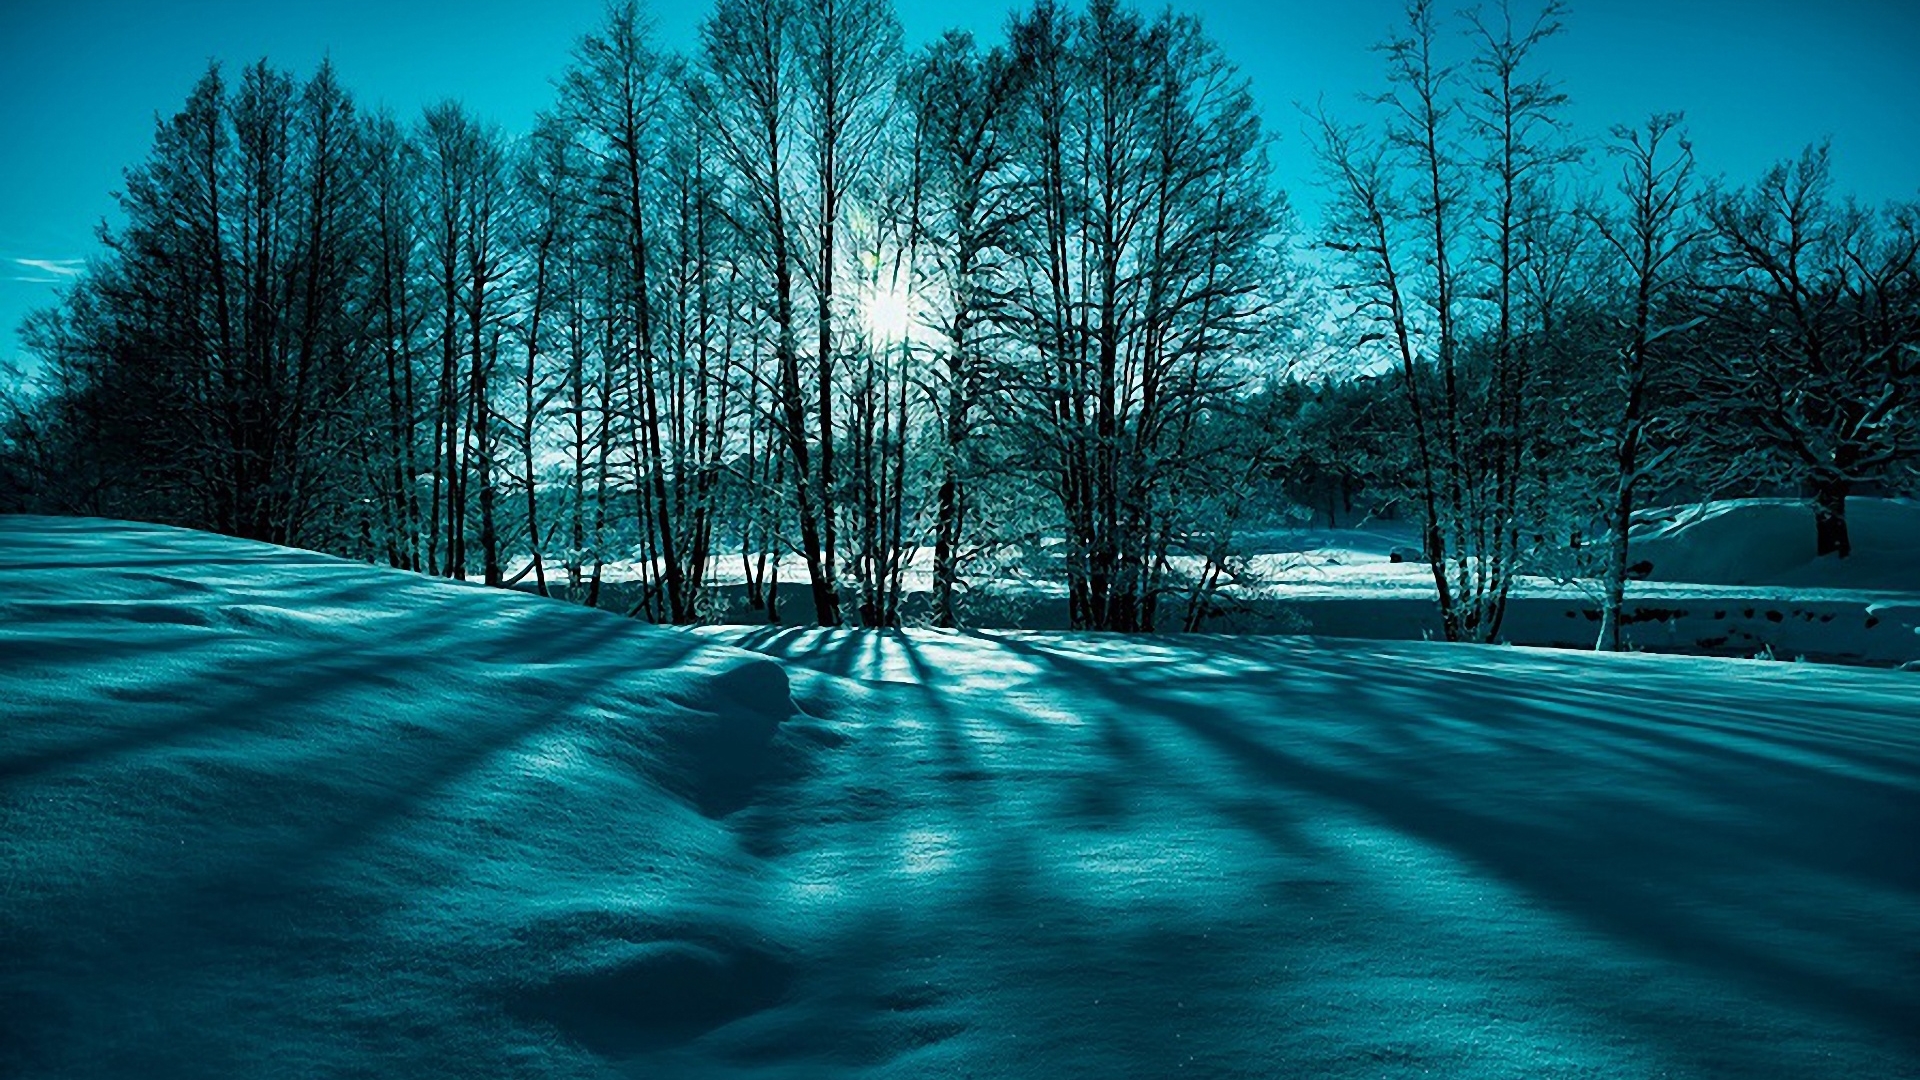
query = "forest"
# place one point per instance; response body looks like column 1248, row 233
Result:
column 905, row 328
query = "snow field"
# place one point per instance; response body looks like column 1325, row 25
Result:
column 266, row 812
column 1733, row 578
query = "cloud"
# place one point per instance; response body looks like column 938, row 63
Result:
column 59, row 268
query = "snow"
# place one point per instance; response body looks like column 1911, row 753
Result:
column 264, row 812
column 1770, row 542
column 1730, row 578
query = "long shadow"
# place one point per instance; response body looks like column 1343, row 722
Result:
column 960, row 762
column 1787, row 785
column 245, row 694
column 344, row 794
column 380, row 795
column 219, row 700
column 1790, row 779
column 1593, row 861
column 1638, row 706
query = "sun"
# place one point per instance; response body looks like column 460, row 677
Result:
column 888, row 311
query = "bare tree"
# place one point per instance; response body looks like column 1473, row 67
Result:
column 1409, row 217
column 1651, row 238
column 216, row 340
column 543, row 175
column 397, row 312
column 967, row 220
column 1516, row 117
column 746, row 99
column 616, row 94
column 1149, row 271
column 468, row 206
column 1814, row 349
column 884, row 366
column 845, row 55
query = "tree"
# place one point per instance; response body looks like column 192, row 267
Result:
column 469, row 206
column 882, row 368
column 968, row 216
column 746, row 99
column 1412, row 227
column 1813, row 353
column 543, row 175
column 650, row 198
column 329, row 409
column 1515, row 116
column 1650, row 239
column 396, row 313
column 844, row 54
column 1151, row 273
column 215, row 347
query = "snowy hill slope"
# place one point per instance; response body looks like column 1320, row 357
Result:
column 1770, row 542
column 268, row 813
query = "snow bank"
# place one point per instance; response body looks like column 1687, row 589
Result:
column 1771, row 542
column 268, row 813
column 1732, row 578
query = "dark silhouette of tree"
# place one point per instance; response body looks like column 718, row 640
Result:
column 1150, row 270
column 469, row 210
column 969, row 212
column 1438, row 217
column 396, row 314
column 746, row 99
column 1812, row 368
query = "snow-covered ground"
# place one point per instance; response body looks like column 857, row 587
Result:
column 1732, row 578
column 266, row 813
column 1769, row 542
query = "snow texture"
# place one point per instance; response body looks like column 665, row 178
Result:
column 264, row 812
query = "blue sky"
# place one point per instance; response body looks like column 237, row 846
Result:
column 82, row 80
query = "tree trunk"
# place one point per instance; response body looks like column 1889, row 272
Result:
column 1830, row 516
column 1615, row 584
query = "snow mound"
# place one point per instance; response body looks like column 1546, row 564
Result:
column 1771, row 542
column 349, row 804
column 720, row 742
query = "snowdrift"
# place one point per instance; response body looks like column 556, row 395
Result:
column 268, row 813
column 1770, row 542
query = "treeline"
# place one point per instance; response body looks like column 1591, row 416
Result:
column 800, row 293
column 807, row 299
column 1559, row 348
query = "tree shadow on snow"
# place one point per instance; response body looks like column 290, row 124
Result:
column 1473, row 772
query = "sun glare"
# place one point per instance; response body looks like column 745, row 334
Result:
column 888, row 311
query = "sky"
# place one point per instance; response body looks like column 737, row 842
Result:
column 82, row 82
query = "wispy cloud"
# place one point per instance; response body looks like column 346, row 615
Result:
column 59, row 268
